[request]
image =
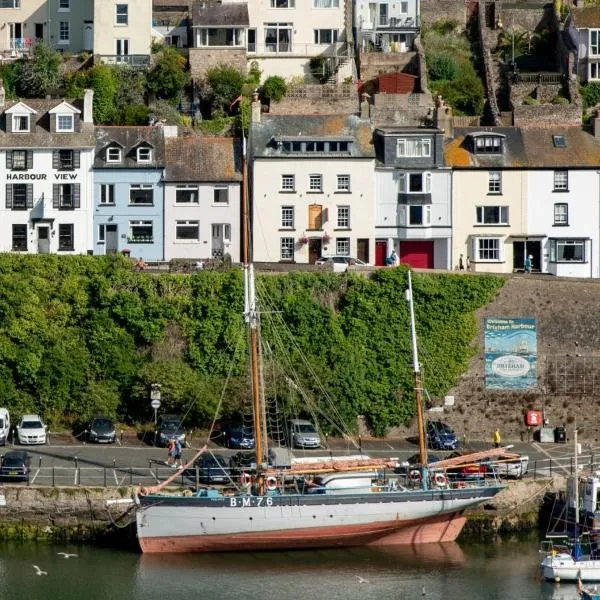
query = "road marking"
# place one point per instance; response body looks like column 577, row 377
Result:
column 36, row 474
column 389, row 446
column 544, row 451
column 115, row 475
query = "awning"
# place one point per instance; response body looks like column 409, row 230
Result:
column 528, row 236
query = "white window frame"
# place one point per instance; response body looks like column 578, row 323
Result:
column 220, row 188
column 64, row 5
column 62, row 120
column 286, row 248
column 561, row 180
column 116, row 158
column 425, row 220
column 343, row 216
column 279, row 47
column 494, row 182
column 503, row 216
column 593, row 71
column 315, row 183
column 125, row 14
column 332, row 34
column 188, row 223
column 413, row 147
column 107, row 194
column 343, row 183
column 144, row 150
column 102, row 233
column 564, row 243
column 187, row 188
column 404, row 182
column 483, row 250
column 287, row 217
column 141, row 187
column 288, row 183
column 64, row 27
column 489, row 144
column 17, row 119
column 280, row 3
column 18, row 165
column 561, row 213
column 403, row 8
column 140, row 223
column 15, row 4
column 327, row 4
column 594, row 42
column 342, row 246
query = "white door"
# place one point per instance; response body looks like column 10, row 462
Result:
column 88, row 36
column 221, row 239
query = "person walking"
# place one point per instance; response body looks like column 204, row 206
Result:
column 178, row 451
column 461, row 264
column 170, row 452
column 497, row 438
column 528, row 265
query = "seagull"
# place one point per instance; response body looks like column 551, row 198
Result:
column 361, row 579
column 38, row 571
column 67, row 555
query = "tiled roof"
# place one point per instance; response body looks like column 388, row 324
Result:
column 586, row 16
column 40, row 135
column 220, row 14
column 194, row 158
column 129, row 138
column 313, row 127
column 171, row 4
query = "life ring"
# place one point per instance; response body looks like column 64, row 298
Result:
column 415, row 475
column 271, row 483
column 440, row 480
column 246, row 479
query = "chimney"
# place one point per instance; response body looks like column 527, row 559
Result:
column 443, row 117
column 365, row 107
column 596, row 125
column 88, row 106
column 2, row 94
column 256, row 108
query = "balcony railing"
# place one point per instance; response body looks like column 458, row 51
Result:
column 391, row 23
column 137, row 61
column 295, row 49
column 20, row 44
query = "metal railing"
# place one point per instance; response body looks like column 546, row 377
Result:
column 139, row 61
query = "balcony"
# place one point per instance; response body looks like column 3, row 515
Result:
column 391, row 24
column 137, row 61
column 298, row 50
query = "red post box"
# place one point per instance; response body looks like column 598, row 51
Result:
column 533, row 418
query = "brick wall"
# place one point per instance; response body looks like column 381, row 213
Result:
column 547, row 115
column 373, row 64
column 438, row 10
column 201, row 60
column 317, row 99
column 527, row 19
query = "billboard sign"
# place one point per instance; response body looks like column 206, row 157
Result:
column 510, row 353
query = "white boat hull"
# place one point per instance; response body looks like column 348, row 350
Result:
column 562, row 567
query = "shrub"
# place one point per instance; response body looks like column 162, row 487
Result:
column 590, row 94
column 317, row 65
column 560, row 100
column 445, row 26
column 102, row 79
column 39, row 75
column 168, row 77
column 442, row 68
column 254, row 74
column 274, row 88
column 531, row 101
column 223, row 85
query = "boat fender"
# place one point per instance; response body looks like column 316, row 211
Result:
column 246, row 479
column 272, row 483
column 440, row 480
column 415, row 475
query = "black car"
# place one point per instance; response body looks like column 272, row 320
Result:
column 242, row 461
column 440, row 436
column 15, row 466
column 212, row 468
column 169, row 428
column 238, row 436
column 102, row 430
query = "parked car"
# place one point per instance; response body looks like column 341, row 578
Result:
column 212, row 468
column 473, row 471
column 340, row 263
column 169, row 428
column 238, row 436
column 101, row 430
column 303, row 434
column 31, row 430
column 4, row 425
column 514, row 467
column 440, row 436
column 15, row 465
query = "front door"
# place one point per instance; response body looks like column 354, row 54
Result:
column 380, row 252
column 314, row 250
column 88, row 36
column 43, row 240
column 39, row 32
column 221, row 235
column 362, row 249
column 523, row 249
column 112, row 239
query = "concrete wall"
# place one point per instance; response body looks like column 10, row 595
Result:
column 546, row 115
column 373, row 64
column 438, row 10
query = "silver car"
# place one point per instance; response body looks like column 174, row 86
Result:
column 303, row 434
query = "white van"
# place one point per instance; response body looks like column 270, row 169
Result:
column 4, row 426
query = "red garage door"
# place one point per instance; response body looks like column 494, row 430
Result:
column 417, row 254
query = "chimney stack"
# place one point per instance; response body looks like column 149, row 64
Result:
column 256, row 108
column 88, row 106
column 443, row 117
column 365, row 107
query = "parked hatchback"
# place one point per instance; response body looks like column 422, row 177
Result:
column 169, row 428
column 15, row 466
column 212, row 468
column 303, row 434
column 440, row 436
column 238, row 436
column 102, row 430
column 31, row 430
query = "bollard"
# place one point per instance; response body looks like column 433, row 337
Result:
column 40, row 463
column 592, row 463
column 130, row 475
column 85, row 436
column 534, row 469
column 104, row 476
column 114, row 463
column 197, row 477
column 121, row 437
column 360, row 444
column 53, row 483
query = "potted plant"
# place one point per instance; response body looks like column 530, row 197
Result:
column 326, row 238
column 303, row 240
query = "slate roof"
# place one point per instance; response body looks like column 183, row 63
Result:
column 195, row 158
column 314, row 127
column 129, row 138
column 174, row 5
column 586, row 16
column 220, row 14
column 40, row 135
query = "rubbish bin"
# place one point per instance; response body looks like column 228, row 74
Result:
column 560, row 435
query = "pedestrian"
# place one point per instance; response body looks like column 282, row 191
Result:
column 461, row 264
column 170, row 452
column 468, row 263
column 528, row 264
column 497, row 438
column 393, row 260
column 178, row 451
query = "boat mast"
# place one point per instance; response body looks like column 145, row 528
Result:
column 576, row 485
column 417, row 374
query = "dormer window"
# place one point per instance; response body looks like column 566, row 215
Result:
column 64, row 123
column 113, row 155
column 144, row 154
column 20, row 123
column 489, row 144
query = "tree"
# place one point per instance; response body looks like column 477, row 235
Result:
column 442, row 67
column 275, row 88
column 168, row 77
column 39, row 75
column 101, row 78
column 224, row 85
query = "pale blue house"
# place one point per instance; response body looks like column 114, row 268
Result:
column 129, row 191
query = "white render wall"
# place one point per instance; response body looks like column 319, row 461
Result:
column 43, row 177
column 268, row 200
column 138, row 30
column 30, row 13
column 583, row 199
column 208, row 214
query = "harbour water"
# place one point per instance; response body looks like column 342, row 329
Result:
column 505, row 570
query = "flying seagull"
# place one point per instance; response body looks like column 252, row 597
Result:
column 361, row 579
column 38, row 571
column 67, row 555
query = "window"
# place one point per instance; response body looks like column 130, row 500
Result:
column 561, row 181
column 140, row 232
column 66, row 196
column 594, row 71
column 188, row 231
column 20, row 123
column 403, row 8
column 315, row 183
column 494, row 182
column 492, row 215
column 186, row 194
column 561, row 214
column 64, row 123
column 283, row 3
column 312, row 146
column 413, row 147
column 567, row 250
column 122, row 48
column 288, row 183
column 488, row 144
column 343, row 183
column 19, row 238
column 19, row 160
column 144, row 154
column 102, row 233
column 287, row 248
column 419, row 214
column 64, row 32
column 64, row 4
column 342, row 246
column 65, row 237
column 113, row 155
column 326, row 3
column 594, row 42
column 19, row 196
column 414, row 183
column 10, row 3
column 326, row 36
column 122, row 15
column 141, row 195
column 343, row 217
column 278, row 37
column 488, row 249
column 287, row 217
column 65, row 159
column 107, row 193
column 221, row 196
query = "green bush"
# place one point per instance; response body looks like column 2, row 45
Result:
column 442, row 68
column 531, row 101
column 223, row 85
column 167, row 79
column 560, row 100
column 318, row 68
column 39, row 75
column 590, row 93
column 275, row 88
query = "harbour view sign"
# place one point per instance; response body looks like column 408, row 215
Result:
column 510, row 353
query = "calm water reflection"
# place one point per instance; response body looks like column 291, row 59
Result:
column 506, row 571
